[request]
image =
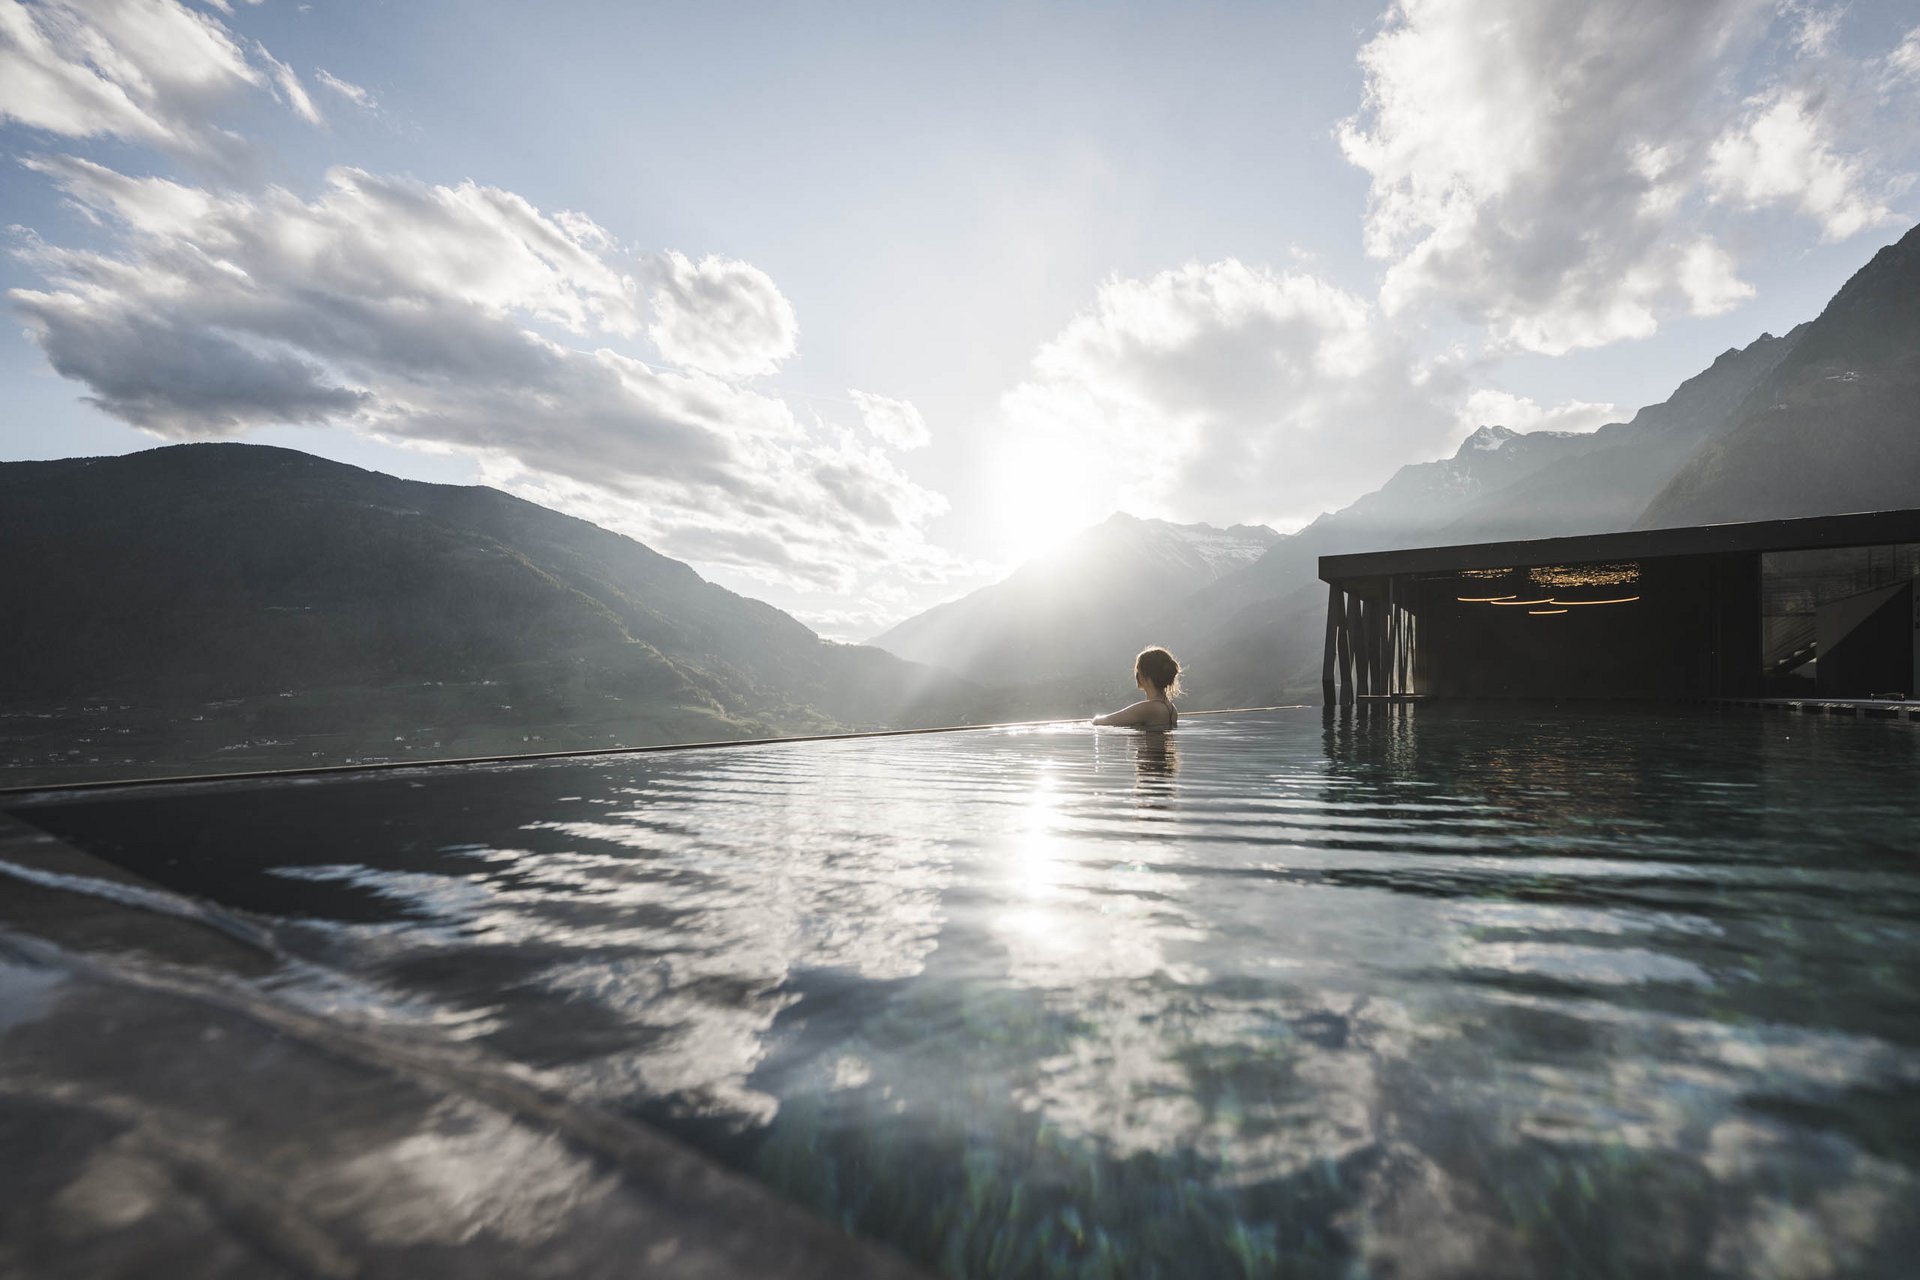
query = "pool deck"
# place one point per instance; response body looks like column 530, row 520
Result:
column 1878, row 708
column 1873, row 708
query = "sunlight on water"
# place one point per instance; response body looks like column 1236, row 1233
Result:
column 1417, row 992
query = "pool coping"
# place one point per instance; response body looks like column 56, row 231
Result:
column 34, row 791
column 1877, row 708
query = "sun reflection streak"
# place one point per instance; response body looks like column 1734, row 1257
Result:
column 1034, row 870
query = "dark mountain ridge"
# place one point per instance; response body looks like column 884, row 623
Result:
column 232, row 572
column 1604, row 479
column 1834, row 427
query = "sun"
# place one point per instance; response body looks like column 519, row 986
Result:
column 1041, row 492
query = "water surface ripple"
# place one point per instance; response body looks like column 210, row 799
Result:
column 1410, row 992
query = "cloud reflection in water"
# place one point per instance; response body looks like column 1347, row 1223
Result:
column 1479, row 993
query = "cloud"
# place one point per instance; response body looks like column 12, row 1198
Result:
column 291, row 91
column 1219, row 388
column 1782, row 153
column 177, row 381
column 721, row 316
column 462, row 317
column 370, row 238
column 1547, row 166
column 1487, row 407
column 359, row 97
column 1904, row 62
column 894, row 422
column 153, row 72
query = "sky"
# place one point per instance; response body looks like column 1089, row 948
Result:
column 856, row 306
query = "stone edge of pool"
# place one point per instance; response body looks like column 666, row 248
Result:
column 36, row 791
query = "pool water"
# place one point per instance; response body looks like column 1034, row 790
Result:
column 1410, row 991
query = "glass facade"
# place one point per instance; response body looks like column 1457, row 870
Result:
column 1795, row 586
column 1715, row 612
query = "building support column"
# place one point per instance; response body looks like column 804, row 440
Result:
column 1378, row 650
column 1394, row 617
column 1327, row 693
column 1354, row 654
column 1345, row 620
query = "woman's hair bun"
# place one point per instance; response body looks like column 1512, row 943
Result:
column 1159, row 667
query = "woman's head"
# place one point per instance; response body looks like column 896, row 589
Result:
column 1158, row 669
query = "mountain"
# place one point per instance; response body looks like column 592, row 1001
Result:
column 1078, row 608
column 230, row 605
column 1603, row 480
column 1819, row 420
column 1835, row 427
column 294, row 602
column 1255, row 636
column 1505, row 484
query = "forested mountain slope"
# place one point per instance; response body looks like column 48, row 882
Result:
column 345, row 604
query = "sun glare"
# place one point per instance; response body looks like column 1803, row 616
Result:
column 1043, row 495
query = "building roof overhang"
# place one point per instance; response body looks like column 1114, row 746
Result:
column 1865, row 528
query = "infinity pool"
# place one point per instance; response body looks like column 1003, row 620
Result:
column 1415, row 992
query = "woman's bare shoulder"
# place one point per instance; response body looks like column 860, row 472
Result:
column 1145, row 714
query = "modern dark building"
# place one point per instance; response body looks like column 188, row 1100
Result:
column 1823, row 607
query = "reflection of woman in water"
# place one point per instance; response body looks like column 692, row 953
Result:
column 1155, row 760
column 1158, row 675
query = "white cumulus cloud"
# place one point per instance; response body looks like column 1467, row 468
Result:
column 1220, row 388
column 154, row 72
column 720, row 315
column 894, row 422
column 465, row 318
column 1487, row 407
column 1783, row 153
column 1548, row 167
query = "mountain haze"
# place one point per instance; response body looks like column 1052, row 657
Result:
column 1079, row 607
column 1823, row 419
column 327, row 602
column 230, row 605
column 1256, row 635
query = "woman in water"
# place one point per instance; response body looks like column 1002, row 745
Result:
column 1158, row 676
